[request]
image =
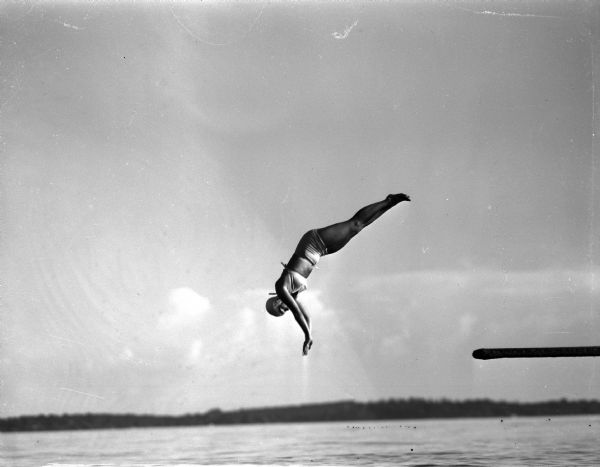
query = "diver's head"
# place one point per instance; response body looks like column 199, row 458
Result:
column 275, row 306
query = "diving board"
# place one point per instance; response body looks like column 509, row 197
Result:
column 536, row 352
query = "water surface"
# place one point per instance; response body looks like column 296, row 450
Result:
column 487, row 441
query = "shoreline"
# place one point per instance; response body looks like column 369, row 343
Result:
column 341, row 411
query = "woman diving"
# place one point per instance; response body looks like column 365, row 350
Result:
column 314, row 244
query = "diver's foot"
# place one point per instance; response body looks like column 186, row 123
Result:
column 397, row 198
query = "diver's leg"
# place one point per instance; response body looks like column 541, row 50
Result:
column 337, row 235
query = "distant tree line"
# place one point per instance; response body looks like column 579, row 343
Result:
column 392, row 409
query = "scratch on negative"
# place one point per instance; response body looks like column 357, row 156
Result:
column 501, row 13
column 521, row 15
column 188, row 31
column 339, row 36
column 71, row 26
column 65, row 339
column 83, row 393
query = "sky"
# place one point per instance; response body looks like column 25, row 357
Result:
column 159, row 160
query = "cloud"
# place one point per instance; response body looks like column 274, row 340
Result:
column 466, row 322
column 311, row 299
column 194, row 352
column 175, row 339
column 538, row 283
column 185, row 309
column 493, row 282
column 438, row 317
column 395, row 345
column 126, row 354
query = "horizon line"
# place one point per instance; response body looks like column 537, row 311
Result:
column 442, row 399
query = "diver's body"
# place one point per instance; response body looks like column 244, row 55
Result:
column 314, row 244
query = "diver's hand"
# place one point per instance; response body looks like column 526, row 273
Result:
column 307, row 345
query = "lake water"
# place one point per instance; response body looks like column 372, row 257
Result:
column 489, row 441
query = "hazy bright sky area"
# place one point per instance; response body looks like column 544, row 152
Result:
column 159, row 160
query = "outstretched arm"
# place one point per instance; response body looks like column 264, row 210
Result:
column 303, row 310
column 299, row 314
